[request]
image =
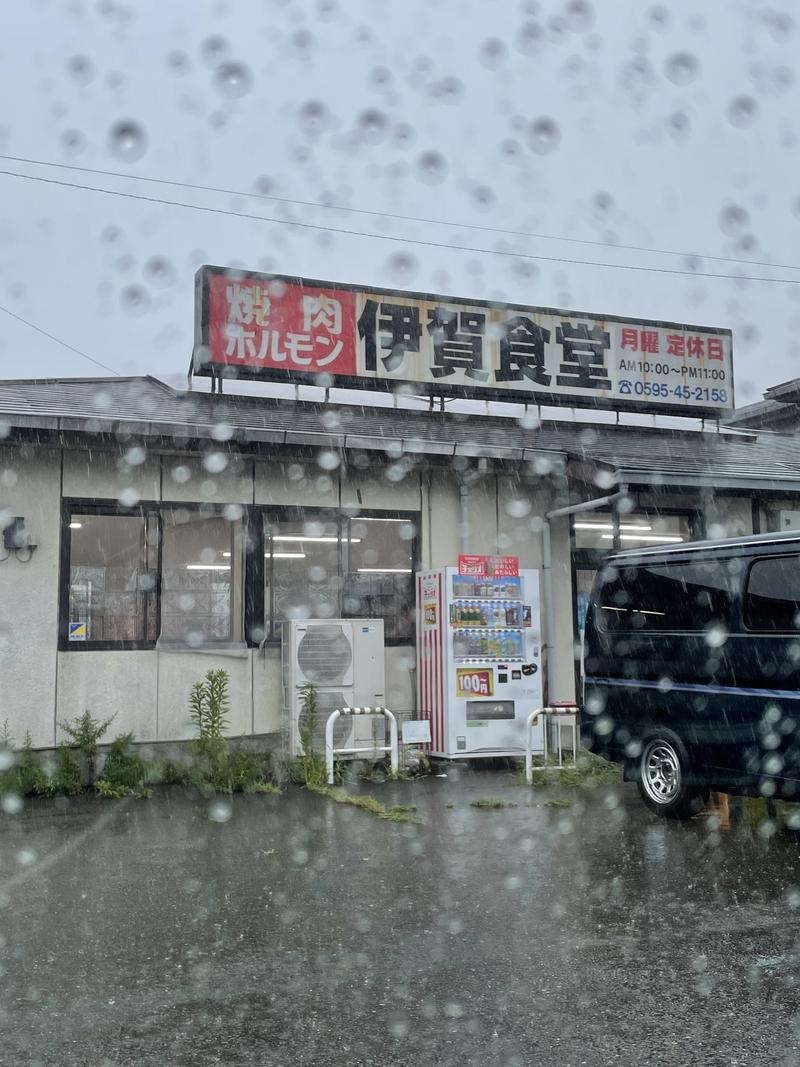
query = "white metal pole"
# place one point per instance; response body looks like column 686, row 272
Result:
column 395, row 750
column 334, row 715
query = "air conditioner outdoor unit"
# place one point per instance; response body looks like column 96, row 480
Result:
column 344, row 660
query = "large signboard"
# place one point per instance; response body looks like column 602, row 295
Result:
column 278, row 328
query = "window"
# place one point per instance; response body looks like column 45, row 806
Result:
column 676, row 596
column 772, row 597
column 111, row 579
column 379, row 580
column 604, row 530
column 202, row 577
column 322, row 565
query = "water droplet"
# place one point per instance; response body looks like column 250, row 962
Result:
column 222, row 432
column 313, row 117
column 220, row 811
column 127, row 141
column 11, row 803
column 678, row 124
column 128, row 498
column 72, row 142
column 449, row 89
column 733, row 217
column 233, row 79
column 432, row 167
column 380, row 76
column 530, row 38
column 82, row 69
column 215, row 462
column 742, row 111
column 544, row 136
column 6, row 759
column 111, row 234
column 682, row 68
column 603, row 202
column 213, row 49
column 716, row 636
column 492, row 52
column 135, row 299
column 659, row 16
column 372, row 125
column 402, row 267
column 302, row 40
column 403, row 134
column 135, row 456
column 328, row 460
column 178, row 62
column 580, row 15
column 483, row 197
column 159, row 271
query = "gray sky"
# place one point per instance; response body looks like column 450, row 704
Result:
column 653, row 147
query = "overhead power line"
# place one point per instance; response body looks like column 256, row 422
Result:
column 386, row 238
column 399, row 217
column 58, row 340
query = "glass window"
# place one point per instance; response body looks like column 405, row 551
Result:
column 772, row 598
column 302, row 569
column 109, row 579
column 595, row 529
column 202, row 577
column 677, row 596
column 379, row 581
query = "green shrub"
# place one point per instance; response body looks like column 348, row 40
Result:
column 66, row 779
column 208, row 706
column 122, row 767
column 104, row 788
column 314, row 772
column 172, row 773
column 28, row 777
column 85, row 732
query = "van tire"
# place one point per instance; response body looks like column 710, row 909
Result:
column 664, row 777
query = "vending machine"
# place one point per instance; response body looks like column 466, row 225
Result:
column 479, row 657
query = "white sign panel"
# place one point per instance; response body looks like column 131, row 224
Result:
column 416, row 732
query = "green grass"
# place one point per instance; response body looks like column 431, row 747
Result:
column 266, row 787
column 398, row 813
column 558, row 802
column 589, row 770
column 491, row 802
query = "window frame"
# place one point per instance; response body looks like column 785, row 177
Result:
column 794, row 632
column 147, row 510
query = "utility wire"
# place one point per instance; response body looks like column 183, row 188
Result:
column 344, row 231
column 58, row 340
column 401, row 218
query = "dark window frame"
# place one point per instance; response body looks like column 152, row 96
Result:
column 253, row 520
column 746, row 625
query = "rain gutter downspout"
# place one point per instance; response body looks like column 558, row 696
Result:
column 547, row 566
column 464, row 527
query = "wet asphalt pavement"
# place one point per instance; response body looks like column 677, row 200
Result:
column 298, row 931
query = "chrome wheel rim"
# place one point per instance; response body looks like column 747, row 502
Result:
column 661, row 772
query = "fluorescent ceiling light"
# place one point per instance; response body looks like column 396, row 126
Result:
column 285, row 555
column 375, row 518
column 384, row 570
column 208, row 567
column 319, row 540
column 609, row 526
column 226, row 554
column 76, row 525
column 662, row 539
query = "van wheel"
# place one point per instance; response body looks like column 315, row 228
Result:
column 663, row 769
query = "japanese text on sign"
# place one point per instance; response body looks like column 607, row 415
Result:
column 262, row 325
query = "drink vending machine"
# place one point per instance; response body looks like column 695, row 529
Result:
column 479, row 661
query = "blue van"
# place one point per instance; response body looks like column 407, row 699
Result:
column 691, row 669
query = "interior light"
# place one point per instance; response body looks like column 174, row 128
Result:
column 285, row 555
column 76, row 526
column 609, row 526
column 319, row 540
column 226, row 554
column 662, row 539
column 208, row 567
column 384, row 570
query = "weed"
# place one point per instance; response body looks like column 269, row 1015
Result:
column 66, row 779
column 558, row 802
column 491, row 802
column 399, row 813
column 85, row 732
column 267, row 787
column 449, row 805
column 104, row 788
column 589, row 770
column 314, row 772
column 172, row 773
column 123, row 768
column 208, row 706
column 29, row 778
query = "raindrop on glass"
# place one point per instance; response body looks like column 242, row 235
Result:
column 215, row 462
column 213, row 49
column 678, row 124
column 403, row 134
column 72, row 142
column 733, row 217
column 82, row 69
column 580, row 15
column 530, row 38
column 372, row 125
column 127, row 141
column 492, row 52
column 682, row 68
column 233, row 79
column 134, row 299
column 220, row 811
column 659, row 16
column 449, row 89
column 128, row 498
column 742, row 111
column 482, row 197
column 544, row 136
column 159, row 271
column 431, row 167
column 302, row 40
column 178, row 62
column 313, row 117
column 380, row 76
column 402, row 267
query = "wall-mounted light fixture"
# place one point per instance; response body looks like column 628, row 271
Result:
column 17, row 541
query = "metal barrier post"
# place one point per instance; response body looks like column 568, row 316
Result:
column 334, row 715
column 393, row 748
column 534, row 715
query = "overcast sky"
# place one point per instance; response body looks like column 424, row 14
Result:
column 663, row 126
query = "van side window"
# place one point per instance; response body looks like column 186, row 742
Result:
column 661, row 597
column 772, row 597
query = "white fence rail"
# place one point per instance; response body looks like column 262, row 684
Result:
column 558, row 715
column 392, row 748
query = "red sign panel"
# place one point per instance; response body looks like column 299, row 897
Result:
column 475, row 565
column 276, row 325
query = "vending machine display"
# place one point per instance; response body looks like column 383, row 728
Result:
column 479, row 661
